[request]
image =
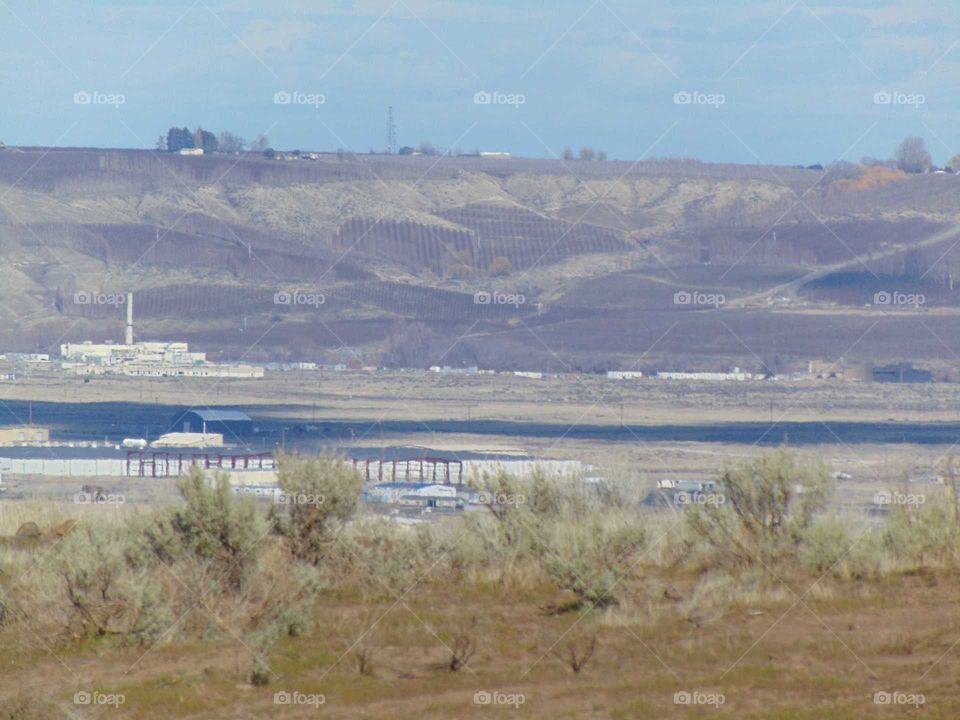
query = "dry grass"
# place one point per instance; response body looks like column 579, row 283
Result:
column 392, row 610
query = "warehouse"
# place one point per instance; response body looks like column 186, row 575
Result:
column 23, row 435
column 229, row 423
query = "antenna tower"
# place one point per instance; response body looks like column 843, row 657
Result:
column 391, row 145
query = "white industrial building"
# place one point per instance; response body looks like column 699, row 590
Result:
column 146, row 359
column 736, row 374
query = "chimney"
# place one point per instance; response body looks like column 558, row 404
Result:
column 129, row 336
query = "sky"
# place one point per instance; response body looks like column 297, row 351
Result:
column 792, row 82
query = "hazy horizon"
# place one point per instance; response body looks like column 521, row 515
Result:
column 786, row 83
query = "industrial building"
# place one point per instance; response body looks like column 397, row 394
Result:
column 146, row 359
column 24, row 435
column 423, row 496
column 229, row 423
column 901, row 373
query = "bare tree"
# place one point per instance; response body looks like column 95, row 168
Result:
column 230, row 143
column 464, row 646
column 576, row 652
column 912, row 156
column 587, row 153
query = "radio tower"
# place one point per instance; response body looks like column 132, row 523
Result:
column 391, row 147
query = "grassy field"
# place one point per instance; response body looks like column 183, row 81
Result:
column 555, row 603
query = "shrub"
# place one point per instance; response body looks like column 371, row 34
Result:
column 99, row 593
column 463, row 646
column 768, row 502
column 591, row 559
column 826, row 544
column 501, row 266
column 575, row 649
column 213, row 524
column 319, row 497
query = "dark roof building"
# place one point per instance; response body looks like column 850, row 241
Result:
column 230, row 423
column 901, row 373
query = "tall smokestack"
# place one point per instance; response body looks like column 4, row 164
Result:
column 129, row 336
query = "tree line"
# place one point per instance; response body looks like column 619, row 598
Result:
column 178, row 139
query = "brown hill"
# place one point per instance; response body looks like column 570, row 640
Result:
column 580, row 260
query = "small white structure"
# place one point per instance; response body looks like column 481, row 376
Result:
column 191, row 151
column 736, row 374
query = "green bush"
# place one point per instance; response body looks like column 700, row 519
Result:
column 213, row 524
column 762, row 510
column 319, row 496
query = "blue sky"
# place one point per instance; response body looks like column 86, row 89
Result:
column 791, row 82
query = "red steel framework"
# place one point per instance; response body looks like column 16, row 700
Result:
column 165, row 464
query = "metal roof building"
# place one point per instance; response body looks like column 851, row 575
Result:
column 229, row 423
